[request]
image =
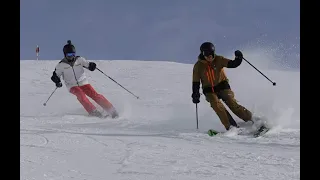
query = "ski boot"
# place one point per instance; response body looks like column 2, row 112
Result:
column 232, row 127
column 260, row 125
column 258, row 122
column 96, row 113
column 113, row 113
column 261, row 131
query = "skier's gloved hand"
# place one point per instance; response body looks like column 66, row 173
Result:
column 55, row 78
column 59, row 85
column 195, row 97
column 92, row 66
column 238, row 54
column 237, row 60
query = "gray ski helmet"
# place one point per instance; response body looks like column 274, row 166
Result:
column 69, row 48
column 207, row 48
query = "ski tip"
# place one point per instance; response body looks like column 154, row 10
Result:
column 212, row 132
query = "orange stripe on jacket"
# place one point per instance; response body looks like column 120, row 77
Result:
column 210, row 76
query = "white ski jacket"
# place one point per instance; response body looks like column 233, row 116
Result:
column 73, row 73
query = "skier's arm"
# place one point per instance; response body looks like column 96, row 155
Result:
column 232, row 63
column 89, row 65
column 57, row 74
column 195, row 79
column 195, row 84
column 83, row 62
column 228, row 63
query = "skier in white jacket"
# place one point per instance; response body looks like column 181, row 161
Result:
column 71, row 68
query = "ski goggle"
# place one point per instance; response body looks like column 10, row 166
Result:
column 70, row 54
column 208, row 53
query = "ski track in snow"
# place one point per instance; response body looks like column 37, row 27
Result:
column 155, row 137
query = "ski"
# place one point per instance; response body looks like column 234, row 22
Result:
column 101, row 116
column 261, row 131
column 212, row 132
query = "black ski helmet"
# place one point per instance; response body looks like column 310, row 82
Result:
column 207, row 48
column 69, row 48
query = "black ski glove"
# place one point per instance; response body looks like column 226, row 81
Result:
column 55, row 78
column 238, row 54
column 92, row 66
column 59, row 85
column 195, row 97
column 195, row 92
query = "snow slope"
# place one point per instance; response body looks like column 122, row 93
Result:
column 155, row 137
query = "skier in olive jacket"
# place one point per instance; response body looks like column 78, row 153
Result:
column 209, row 71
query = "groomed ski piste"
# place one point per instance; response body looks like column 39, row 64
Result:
column 155, row 136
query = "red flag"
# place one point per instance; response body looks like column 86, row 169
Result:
column 37, row 52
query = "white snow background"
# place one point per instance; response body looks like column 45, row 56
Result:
column 155, row 137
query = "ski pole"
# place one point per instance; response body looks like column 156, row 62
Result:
column 118, row 83
column 197, row 115
column 273, row 83
column 50, row 96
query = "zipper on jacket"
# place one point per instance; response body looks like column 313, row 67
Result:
column 75, row 75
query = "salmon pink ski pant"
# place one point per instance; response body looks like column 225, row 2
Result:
column 82, row 91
